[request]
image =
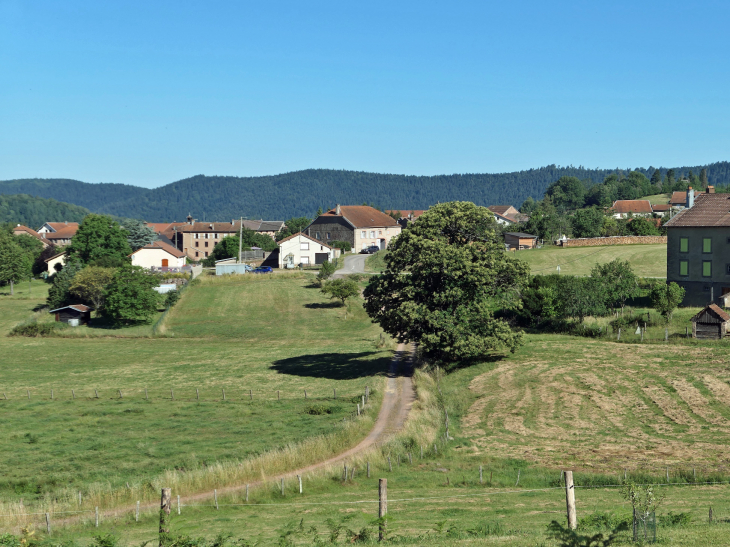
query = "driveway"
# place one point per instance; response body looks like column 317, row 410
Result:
column 353, row 264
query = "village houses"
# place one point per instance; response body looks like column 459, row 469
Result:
column 359, row 225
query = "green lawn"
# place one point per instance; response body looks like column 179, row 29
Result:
column 658, row 199
column 264, row 334
column 646, row 260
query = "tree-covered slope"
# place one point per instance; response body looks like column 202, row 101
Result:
column 33, row 211
column 303, row 192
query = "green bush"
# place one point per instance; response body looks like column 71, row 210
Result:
column 34, row 328
column 171, row 298
column 675, row 519
column 344, row 246
column 320, row 409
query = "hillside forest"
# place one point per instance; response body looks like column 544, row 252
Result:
column 301, row 193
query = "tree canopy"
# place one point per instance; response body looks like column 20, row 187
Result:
column 138, row 233
column 99, row 240
column 90, row 285
column 130, row 296
column 444, row 276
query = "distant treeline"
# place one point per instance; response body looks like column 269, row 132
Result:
column 34, row 212
column 301, row 193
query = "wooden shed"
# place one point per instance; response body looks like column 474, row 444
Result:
column 711, row 323
column 75, row 314
column 519, row 240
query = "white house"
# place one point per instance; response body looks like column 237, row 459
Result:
column 158, row 254
column 302, row 249
column 55, row 263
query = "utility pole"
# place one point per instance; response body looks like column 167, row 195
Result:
column 240, row 241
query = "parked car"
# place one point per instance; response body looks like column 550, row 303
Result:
column 370, row 250
column 263, row 269
column 248, row 267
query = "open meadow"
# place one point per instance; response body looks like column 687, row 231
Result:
column 646, row 260
column 125, row 409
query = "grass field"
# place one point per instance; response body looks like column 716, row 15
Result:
column 658, row 199
column 264, row 334
column 646, row 260
column 376, row 262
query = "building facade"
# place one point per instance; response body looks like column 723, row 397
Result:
column 197, row 239
column 360, row 225
column 698, row 248
column 301, row 249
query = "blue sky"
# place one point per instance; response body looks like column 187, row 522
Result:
column 147, row 93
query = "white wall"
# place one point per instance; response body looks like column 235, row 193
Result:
column 148, row 258
column 301, row 255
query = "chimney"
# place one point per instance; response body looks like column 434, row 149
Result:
column 233, row 222
column 338, row 210
column 690, row 197
column 66, row 223
column 710, row 189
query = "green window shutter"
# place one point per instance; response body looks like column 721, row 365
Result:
column 707, row 245
column 683, row 267
column 683, row 244
column 707, row 269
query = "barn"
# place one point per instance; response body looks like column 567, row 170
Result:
column 74, row 315
column 710, row 323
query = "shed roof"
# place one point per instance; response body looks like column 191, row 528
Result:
column 711, row 314
column 520, row 234
column 362, row 216
column 78, row 307
column 632, row 206
column 708, row 210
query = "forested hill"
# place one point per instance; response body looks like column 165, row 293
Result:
column 33, row 211
column 279, row 197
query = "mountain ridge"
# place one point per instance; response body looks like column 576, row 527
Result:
column 301, row 193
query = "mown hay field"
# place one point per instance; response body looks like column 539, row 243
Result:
column 646, row 260
column 267, row 335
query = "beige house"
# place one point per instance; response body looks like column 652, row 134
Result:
column 197, row 239
column 360, row 225
column 301, row 249
column 55, row 263
column 24, row 230
column 158, row 255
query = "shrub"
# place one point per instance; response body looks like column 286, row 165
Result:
column 319, row 409
column 171, row 298
column 675, row 519
column 34, row 328
column 344, row 246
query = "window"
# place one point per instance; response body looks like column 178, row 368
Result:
column 706, row 268
column 197, row 236
column 206, row 254
column 197, row 254
column 197, row 243
column 683, row 244
column 317, row 235
column 372, row 233
column 380, row 232
column 706, row 288
column 206, row 243
column 706, row 244
column 363, row 234
column 305, row 260
column 328, row 235
column 304, row 246
column 215, row 236
column 683, row 267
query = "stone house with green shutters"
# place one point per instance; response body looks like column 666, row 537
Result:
column 698, row 248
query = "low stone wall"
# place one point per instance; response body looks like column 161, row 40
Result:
column 615, row 240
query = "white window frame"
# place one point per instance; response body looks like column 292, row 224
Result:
column 304, row 245
column 364, row 234
column 304, row 260
column 372, row 234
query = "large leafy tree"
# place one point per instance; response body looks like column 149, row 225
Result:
column 101, row 241
column 587, row 222
column 567, row 193
column 130, row 296
column 544, row 221
column 445, row 274
column 293, row 226
column 642, row 227
column 138, row 233
column 619, row 281
column 15, row 264
column 90, row 285
column 582, row 297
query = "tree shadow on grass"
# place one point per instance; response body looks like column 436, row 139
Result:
column 334, row 366
column 323, row 305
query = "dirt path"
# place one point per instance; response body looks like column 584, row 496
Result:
column 397, row 401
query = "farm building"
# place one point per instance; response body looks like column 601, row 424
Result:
column 710, row 323
column 519, row 240
column 74, row 315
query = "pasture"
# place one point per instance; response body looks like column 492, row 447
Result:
column 264, row 334
column 646, row 260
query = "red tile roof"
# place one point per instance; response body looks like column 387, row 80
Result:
column 661, row 207
column 20, row 229
column 717, row 310
column 708, row 210
column 503, row 210
column 363, row 216
column 231, row 227
column 77, row 307
column 632, row 206
column 61, row 225
column 165, row 247
column 67, row 232
column 407, row 213
column 680, row 198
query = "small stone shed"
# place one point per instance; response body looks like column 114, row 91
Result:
column 711, row 323
column 75, row 314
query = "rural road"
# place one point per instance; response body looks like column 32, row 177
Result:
column 397, row 401
column 353, row 264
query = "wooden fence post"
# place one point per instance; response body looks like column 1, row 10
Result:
column 570, row 500
column 96, row 510
column 618, row 337
column 358, row 409
column 224, row 393
column 305, row 394
column 299, row 478
column 165, row 506
column 79, row 498
column 172, row 394
column 146, row 396
column 278, row 395
column 120, row 393
column 178, row 504
column 250, row 395
column 96, row 393
column 481, row 480
column 215, row 498
column 73, row 394
column 368, row 469
column 382, row 507
column 51, row 395
column 136, row 514
column 48, row 524
column 282, row 486
column 246, row 492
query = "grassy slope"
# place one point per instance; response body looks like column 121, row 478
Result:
column 658, row 199
column 646, row 260
column 375, row 262
column 239, row 334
